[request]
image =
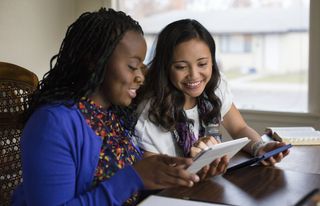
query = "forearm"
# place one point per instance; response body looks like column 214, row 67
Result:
column 148, row 154
column 114, row 191
column 237, row 128
column 111, row 192
column 251, row 134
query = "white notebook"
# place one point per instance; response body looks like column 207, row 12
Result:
column 295, row 135
column 154, row 200
column 229, row 148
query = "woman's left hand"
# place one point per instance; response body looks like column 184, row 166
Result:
column 271, row 146
column 216, row 167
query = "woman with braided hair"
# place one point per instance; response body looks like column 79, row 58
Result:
column 184, row 94
column 77, row 146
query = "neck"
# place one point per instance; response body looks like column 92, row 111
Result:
column 189, row 102
column 99, row 99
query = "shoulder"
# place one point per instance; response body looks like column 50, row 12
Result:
column 53, row 120
column 60, row 109
column 224, row 93
column 143, row 109
column 58, row 129
column 57, row 112
column 223, row 86
column 146, row 127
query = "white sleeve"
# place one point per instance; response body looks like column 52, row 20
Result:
column 224, row 93
column 153, row 138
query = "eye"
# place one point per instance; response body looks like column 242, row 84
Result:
column 203, row 64
column 180, row 67
column 133, row 68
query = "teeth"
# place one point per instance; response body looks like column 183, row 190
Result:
column 193, row 84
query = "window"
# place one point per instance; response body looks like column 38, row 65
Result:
column 262, row 46
column 234, row 43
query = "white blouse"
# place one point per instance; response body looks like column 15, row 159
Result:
column 156, row 139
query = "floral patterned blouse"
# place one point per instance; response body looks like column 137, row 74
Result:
column 117, row 149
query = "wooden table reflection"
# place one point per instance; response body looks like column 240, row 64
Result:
column 284, row 184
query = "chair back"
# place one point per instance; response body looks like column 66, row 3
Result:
column 16, row 84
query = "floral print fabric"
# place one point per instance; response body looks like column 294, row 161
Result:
column 117, row 149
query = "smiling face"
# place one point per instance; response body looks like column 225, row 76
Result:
column 191, row 69
column 124, row 72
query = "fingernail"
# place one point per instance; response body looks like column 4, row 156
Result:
column 196, row 178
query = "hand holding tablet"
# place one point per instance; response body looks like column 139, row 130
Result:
column 205, row 157
column 258, row 159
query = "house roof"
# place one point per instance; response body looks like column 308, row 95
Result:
column 244, row 20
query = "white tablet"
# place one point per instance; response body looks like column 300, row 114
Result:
column 205, row 157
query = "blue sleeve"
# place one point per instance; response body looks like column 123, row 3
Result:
column 50, row 160
column 112, row 192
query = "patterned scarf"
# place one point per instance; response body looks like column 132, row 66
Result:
column 117, row 149
column 184, row 134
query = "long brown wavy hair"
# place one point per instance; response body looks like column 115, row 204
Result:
column 166, row 106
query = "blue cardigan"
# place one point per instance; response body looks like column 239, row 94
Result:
column 60, row 153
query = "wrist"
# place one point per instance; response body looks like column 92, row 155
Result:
column 256, row 146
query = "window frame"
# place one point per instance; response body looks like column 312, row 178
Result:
column 261, row 119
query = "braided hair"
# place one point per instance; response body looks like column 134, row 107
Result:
column 80, row 64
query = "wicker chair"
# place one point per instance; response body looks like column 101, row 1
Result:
column 16, row 84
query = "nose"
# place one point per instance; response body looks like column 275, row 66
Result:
column 193, row 72
column 139, row 78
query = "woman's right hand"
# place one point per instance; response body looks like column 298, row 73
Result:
column 162, row 171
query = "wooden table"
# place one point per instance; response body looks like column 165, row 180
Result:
column 284, row 184
column 302, row 159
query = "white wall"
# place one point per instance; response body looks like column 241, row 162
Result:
column 31, row 31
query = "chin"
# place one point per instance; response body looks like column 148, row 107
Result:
column 126, row 103
column 195, row 94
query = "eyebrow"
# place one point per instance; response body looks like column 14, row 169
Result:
column 183, row 61
column 180, row 61
column 203, row 58
column 136, row 57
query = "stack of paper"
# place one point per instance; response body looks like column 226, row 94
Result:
column 295, row 135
